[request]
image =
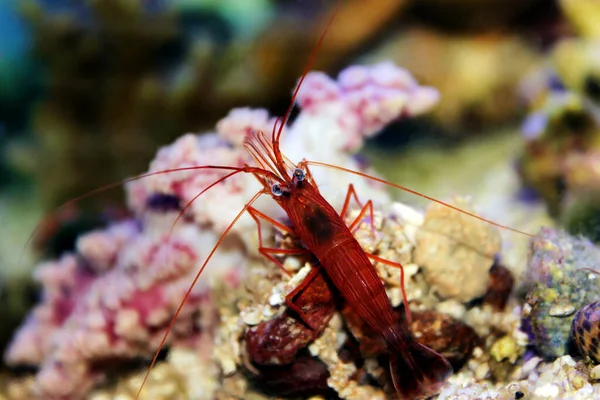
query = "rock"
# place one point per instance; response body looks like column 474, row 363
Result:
column 559, row 286
column 456, row 252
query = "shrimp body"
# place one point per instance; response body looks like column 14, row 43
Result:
column 416, row 370
column 327, row 236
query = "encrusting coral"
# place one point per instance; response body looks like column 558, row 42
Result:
column 112, row 301
column 113, row 298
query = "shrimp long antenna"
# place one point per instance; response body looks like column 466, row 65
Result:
column 189, row 203
column 142, row 176
column 404, row 188
column 189, row 291
column 286, row 116
column 260, row 151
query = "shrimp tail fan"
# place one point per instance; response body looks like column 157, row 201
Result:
column 417, row 371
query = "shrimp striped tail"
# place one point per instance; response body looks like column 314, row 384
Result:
column 417, row 371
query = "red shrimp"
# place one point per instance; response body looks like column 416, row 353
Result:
column 416, row 370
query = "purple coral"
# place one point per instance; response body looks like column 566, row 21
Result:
column 114, row 297
column 363, row 100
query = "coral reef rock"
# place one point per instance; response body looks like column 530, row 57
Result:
column 453, row 267
column 560, row 283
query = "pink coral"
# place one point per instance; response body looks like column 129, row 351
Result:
column 368, row 98
column 115, row 305
column 114, row 297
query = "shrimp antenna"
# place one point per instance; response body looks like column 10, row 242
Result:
column 263, row 152
column 286, row 116
column 142, row 176
column 189, row 291
column 259, row 150
column 404, row 188
column 255, row 171
column 590, row 270
column 189, row 203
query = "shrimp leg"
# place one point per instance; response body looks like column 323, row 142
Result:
column 277, row 341
column 349, row 195
column 268, row 252
column 367, row 207
column 289, row 299
column 402, row 287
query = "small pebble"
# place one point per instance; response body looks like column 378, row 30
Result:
column 482, row 371
column 561, row 310
column 251, row 316
column 576, row 379
column 514, row 388
column 595, row 373
column 530, row 365
column 505, row 348
column 547, row 390
column 276, row 299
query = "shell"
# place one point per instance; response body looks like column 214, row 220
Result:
column 450, row 337
column 585, row 331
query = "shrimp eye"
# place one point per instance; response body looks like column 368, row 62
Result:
column 299, row 174
column 276, row 189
